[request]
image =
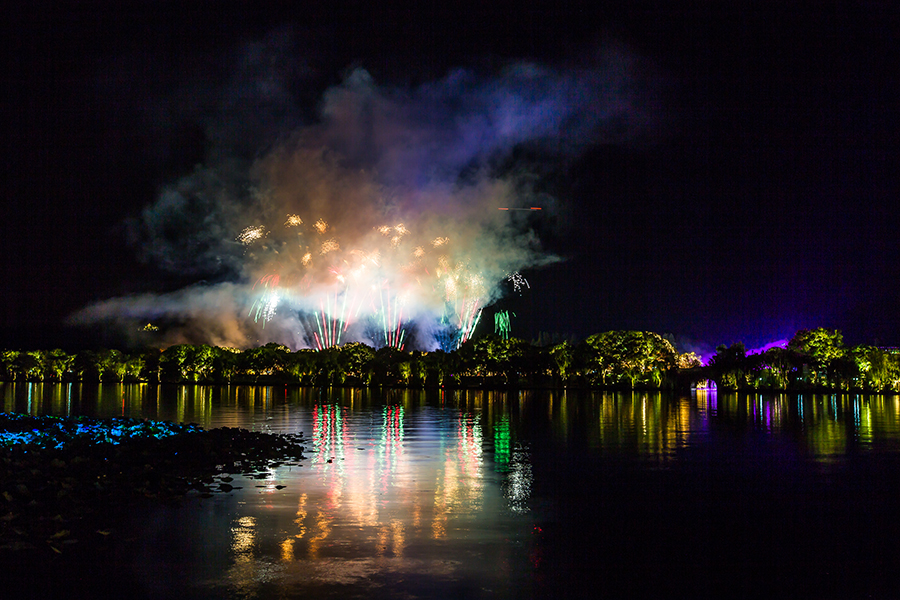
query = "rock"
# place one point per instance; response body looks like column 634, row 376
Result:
column 81, row 479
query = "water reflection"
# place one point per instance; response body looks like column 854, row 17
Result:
column 653, row 424
column 649, row 423
column 392, row 485
column 412, row 488
column 411, row 484
column 828, row 425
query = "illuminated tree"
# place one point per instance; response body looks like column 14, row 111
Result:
column 174, row 363
column 626, row 357
column 55, row 364
column 562, row 355
column 355, row 360
column 266, row 361
column 386, row 365
column 27, row 367
column 404, row 369
column 328, row 367
column 418, row 368
column 441, row 366
column 822, row 347
column 111, row 365
column 498, row 361
column 224, row 364
column 301, row 366
column 523, row 361
column 7, row 360
column 728, row 366
column 688, row 360
column 134, row 367
column 879, row 370
column 781, row 366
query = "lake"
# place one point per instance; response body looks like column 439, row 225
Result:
column 528, row 494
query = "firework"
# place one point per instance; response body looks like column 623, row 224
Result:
column 391, row 318
column 502, row 325
column 336, row 283
column 517, row 280
column 393, row 190
column 265, row 306
column 251, row 234
column 470, row 317
column 338, row 310
column 329, row 324
column 365, row 258
column 329, row 246
column 463, row 293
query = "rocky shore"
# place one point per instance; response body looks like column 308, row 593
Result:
column 65, row 481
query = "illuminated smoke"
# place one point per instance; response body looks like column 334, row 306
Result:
column 377, row 223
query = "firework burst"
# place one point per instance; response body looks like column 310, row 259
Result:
column 251, row 234
column 517, row 281
column 264, row 307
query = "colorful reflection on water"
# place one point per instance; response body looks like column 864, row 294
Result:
column 649, row 423
column 411, row 490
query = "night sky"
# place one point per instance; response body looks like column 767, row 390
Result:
column 728, row 173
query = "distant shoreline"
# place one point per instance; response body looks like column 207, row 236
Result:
column 812, row 361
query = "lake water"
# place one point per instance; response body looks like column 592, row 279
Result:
column 532, row 494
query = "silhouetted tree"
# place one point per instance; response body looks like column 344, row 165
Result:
column 728, row 366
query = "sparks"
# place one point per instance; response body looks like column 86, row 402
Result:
column 264, row 307
column 251, row 234
column 329, row 246
column 517, row 280
column 502, row 325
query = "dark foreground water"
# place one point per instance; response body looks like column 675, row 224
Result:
column 541, row 494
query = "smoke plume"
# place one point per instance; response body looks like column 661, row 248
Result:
column 377, row 222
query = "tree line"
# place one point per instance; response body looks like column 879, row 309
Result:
column 813, row 359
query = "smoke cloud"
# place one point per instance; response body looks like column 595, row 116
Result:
column 378, row 222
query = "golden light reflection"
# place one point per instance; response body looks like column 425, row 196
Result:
column 243, row 572
column 391, row 539
column 9, row 396
column 243, row 535
column 322, row 530
column 287, row 550
column 646, row 422
column 397, row 537
column 300, row 521
column 703, row 400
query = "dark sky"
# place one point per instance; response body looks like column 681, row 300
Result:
column 751, row 191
